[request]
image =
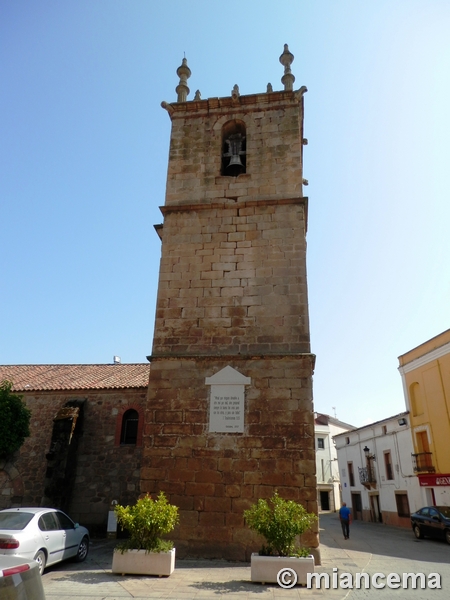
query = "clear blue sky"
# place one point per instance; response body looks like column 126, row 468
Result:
column 83, row 159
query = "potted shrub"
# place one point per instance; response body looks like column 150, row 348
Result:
column 144, row 552
column 280, row 522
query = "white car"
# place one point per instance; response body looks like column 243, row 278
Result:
column 46, row 535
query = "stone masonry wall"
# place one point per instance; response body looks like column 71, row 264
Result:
column 213, row 477
column 105, row 471
column 233, row 279
column 232, row 292
column 274, row 138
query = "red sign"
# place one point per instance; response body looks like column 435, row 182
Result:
column 434, row 480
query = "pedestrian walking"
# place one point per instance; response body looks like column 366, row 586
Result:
column 345, row 517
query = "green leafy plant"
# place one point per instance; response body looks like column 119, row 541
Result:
column 280, row 522
column 145, row 522
column 14, row 420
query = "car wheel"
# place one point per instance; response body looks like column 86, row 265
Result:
column 41, row 560
column 83, row 550
column 447, row 536
column 418, row 532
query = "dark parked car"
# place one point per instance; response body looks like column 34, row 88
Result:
column 20, row 579
column 432, row 521
column 45, row 535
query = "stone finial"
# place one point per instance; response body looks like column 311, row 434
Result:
column 235, row 91
column 198, row 95
column 286, row 59
column 269, row 88
column 183, row 73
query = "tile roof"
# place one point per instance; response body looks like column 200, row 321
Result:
column 75, row 377
column 323, row 419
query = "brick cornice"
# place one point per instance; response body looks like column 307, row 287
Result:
column 232, row 357
column 253, row 102
column 231, row 203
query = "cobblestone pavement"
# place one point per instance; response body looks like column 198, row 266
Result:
column 372, row 548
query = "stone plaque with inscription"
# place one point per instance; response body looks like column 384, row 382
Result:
column 226, row 407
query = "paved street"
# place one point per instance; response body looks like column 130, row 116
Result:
column 371, row 548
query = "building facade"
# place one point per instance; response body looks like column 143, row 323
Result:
column 85, row 445
column 377, row 477
column 229, row 414
column 425, row 373
column 327, row 469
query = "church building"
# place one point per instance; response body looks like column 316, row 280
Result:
column 223, row 414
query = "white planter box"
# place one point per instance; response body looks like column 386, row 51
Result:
column 266, row 568
column 140, row 562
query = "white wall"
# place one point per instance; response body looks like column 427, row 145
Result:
column 327, row 469
column 397, row 441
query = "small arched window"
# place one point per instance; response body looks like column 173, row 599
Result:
column 234, row 148
column 130, row 422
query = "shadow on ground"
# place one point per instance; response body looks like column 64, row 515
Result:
column 233, row 587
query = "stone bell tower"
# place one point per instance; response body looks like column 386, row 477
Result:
column 229, row 414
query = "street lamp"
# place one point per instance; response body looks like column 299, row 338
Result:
column 367, row 453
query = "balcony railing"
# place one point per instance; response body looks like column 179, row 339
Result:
column 367, row 475
column 423, row 462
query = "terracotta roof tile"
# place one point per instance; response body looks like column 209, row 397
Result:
column 75, row 377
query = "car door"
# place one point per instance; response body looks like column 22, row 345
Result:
column 70, row 534
column 436, row 526
column 51, row 533
column 425, row 521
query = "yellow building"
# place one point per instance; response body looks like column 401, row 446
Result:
column 425, row 372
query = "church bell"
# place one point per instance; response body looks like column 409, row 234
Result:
column 235, row 149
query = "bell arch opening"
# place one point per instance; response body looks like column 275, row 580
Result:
column 234, row 153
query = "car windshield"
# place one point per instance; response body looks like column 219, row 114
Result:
column 444, row 510
column 14, row 521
